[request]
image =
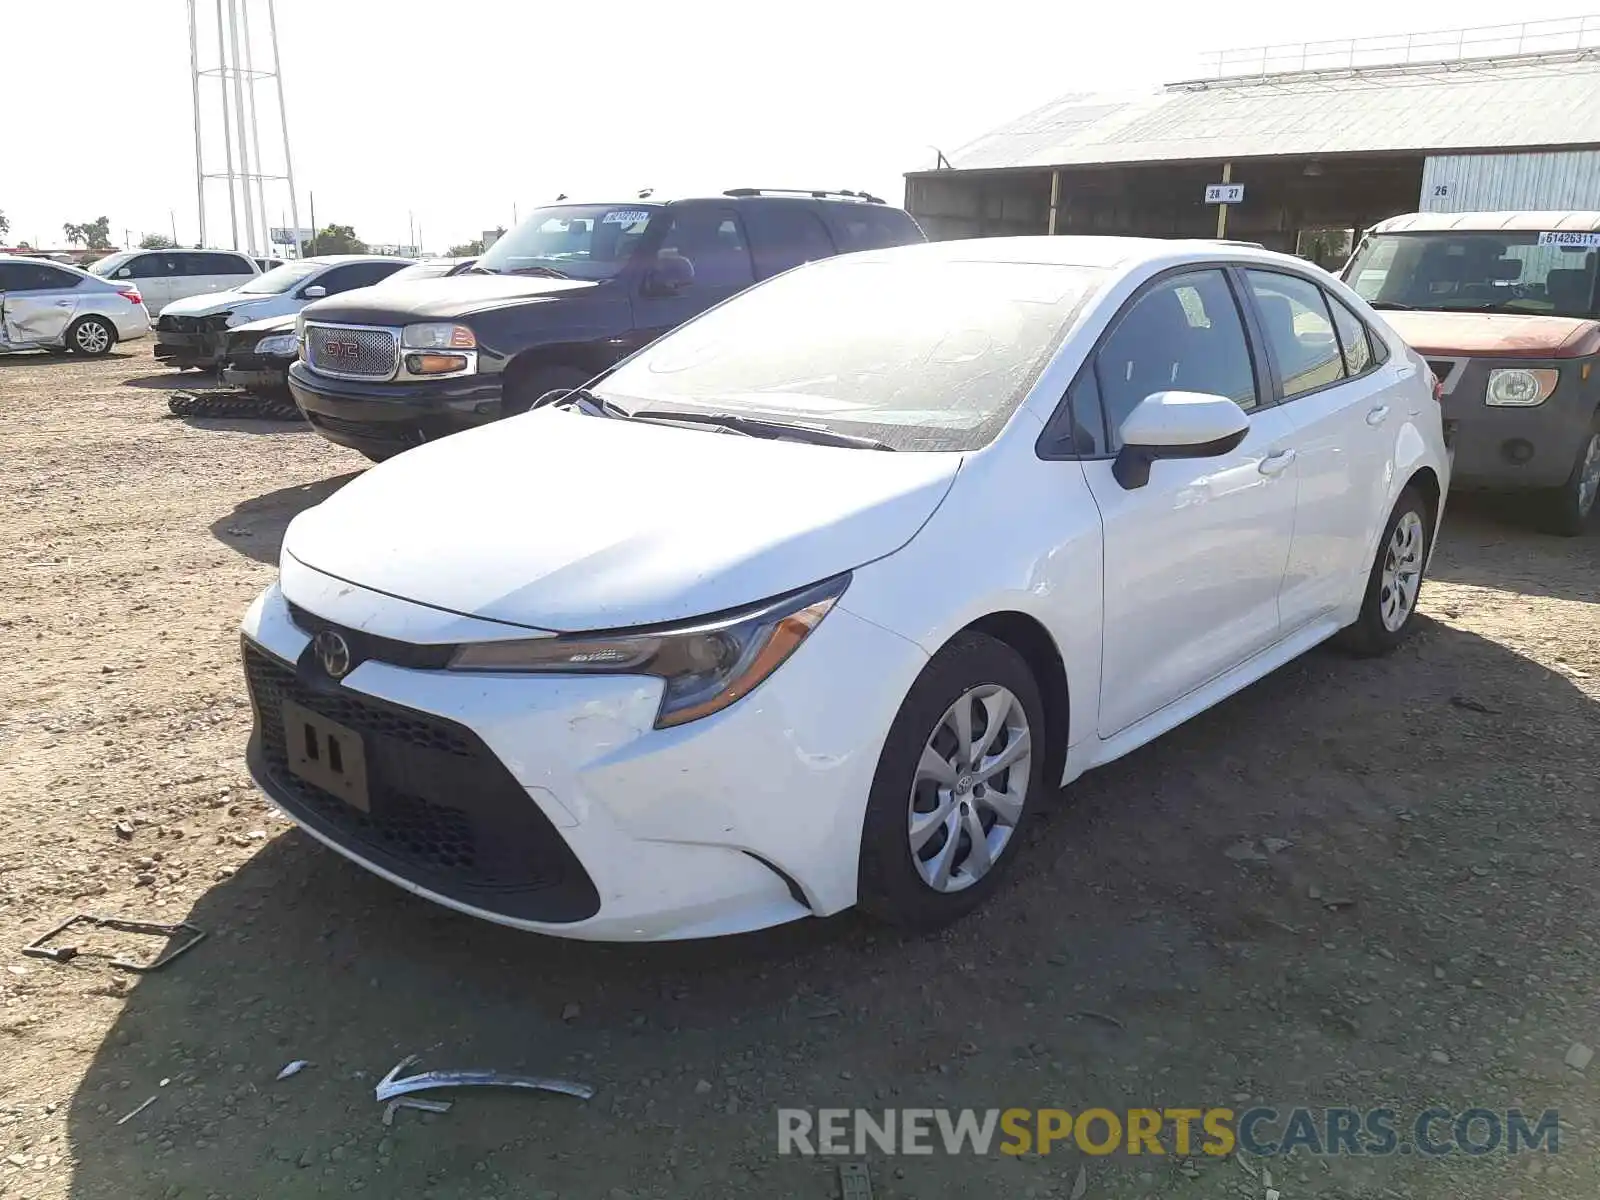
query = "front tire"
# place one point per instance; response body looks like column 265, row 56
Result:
column 963, row 758
column 1389, row 607
column 1569, row 507
column 91, row 337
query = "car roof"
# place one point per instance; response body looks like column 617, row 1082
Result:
column 733, row 196
column 1517, row 220
column 331, row 259
column 1107, row 253
column 34, row 260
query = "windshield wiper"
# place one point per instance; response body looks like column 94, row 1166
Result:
column 591, row 404
column 1392, row 304
column 542, row 272
column 759, row 427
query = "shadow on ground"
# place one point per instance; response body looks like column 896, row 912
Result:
column 52, row 358
column 1492, row 540
column 255, row 527
column 174, row 380
column 1136, row 959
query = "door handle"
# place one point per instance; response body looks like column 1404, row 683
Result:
column 1377, row 415
column 1277, row 463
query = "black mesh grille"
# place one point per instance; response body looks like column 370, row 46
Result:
column 445, row 812
column 371, row 431
column 346, row 350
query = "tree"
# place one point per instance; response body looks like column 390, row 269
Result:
column 334, row 239
column 5, row 224
column 467, row 249
column 95, row 234
column 157, row 241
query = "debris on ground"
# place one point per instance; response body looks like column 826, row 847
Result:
column 392, row 1086
column 40, row 946
column 130, row 1116
column 1245, row 851
column 1104, row 1018
column 1275, row 845
column 416, row 1102
column 1471, row 705
column 1080, row 1185
column 293, row 1068
column 232, row 404
column 1579, row 1056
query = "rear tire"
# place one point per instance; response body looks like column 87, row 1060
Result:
column 934, row 796
column 1394, row 585
column 91, row 337
column 1569, row 507
column 526, row 386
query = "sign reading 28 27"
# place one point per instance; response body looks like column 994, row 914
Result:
column 1570, row 237
column 1224, row 193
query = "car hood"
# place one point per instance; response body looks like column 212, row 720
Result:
column 279, row 324
column 561, row 521
column 449, row 298
column 1496, row 335
column 217, row 302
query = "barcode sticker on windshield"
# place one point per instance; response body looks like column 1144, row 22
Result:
column 1575, row 238
column 624, row 217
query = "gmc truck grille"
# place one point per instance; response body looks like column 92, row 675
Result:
column 352, row 352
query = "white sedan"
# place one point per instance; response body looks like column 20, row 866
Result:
column 814, row 601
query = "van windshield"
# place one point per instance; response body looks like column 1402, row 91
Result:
column 579, row 241
column 110, row 263
column 1549, row 273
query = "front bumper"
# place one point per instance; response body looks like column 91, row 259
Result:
column 382, row 418
column 256, row 374
column 189, row 348
column 735, row 822
column 1515, row 448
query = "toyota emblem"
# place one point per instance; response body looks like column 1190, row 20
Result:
column 333, row 652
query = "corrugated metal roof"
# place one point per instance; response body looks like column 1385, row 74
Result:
column 1545, row 101
column 1521, row 222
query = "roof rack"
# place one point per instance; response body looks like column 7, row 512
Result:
column 818, row 194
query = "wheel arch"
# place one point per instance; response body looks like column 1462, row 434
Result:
column 1426, row 481
column 1028, row 637
column 79, row 317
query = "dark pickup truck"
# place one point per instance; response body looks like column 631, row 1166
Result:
column 561, row 298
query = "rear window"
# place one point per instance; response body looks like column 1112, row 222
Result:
column 872, row 227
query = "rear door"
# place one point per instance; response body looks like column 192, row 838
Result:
column 1344, row 411
column 712, row 240
column 38, row 302
column 151, row 274
column 1194, row 559
column 209, row 271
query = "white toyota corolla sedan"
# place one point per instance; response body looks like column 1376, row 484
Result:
column 814, row 601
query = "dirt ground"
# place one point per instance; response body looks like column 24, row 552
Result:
column 1427, row 935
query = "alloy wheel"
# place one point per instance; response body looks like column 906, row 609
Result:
column 1589, row 476
column 970, row 787
column 1402, row 572
column 92, row 337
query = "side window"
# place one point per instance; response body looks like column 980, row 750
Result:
column 355, row 275
column 1355, row 339
column 1087, row 435
column 1184, row 334
column 203, row 263
column 33, row 277
column 711, row 240
column 149, row 266
column 9, row 274
column 1294, row 316
column 784, row 236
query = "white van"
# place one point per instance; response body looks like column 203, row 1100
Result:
column 163, row 276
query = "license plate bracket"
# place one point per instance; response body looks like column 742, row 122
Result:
column 326, row 754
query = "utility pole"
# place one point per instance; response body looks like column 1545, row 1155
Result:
column 244, row 150
column 313, row 226
column 173, row 217
column 227, row 125
column 283, row 121
column 199, row 169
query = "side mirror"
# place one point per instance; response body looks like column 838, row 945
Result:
column 669, row 276
column 124, row 272
column 315, row 292
column 1176, row 425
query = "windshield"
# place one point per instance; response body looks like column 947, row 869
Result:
column 583, row 241
column 280, row 279
column 422, row 270
column 918, row 354
column 1491, row 271
column 105, row 266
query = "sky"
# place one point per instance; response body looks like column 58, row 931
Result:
column 452, row 115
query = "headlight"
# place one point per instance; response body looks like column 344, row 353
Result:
column 300, row 325
column 1517, row 387
column 436, row 336
column 706, row 666
column 278, row 344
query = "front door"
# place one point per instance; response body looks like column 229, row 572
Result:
column 1193, row 559
column 37, row 303
column 703, row 259
column 152, row 274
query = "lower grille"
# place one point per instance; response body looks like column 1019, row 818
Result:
column 345, row 350
column 366, row 430
column 445, row 813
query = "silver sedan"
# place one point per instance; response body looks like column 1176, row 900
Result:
column 50, row 306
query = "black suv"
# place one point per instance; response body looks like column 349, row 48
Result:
column 561, row 298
